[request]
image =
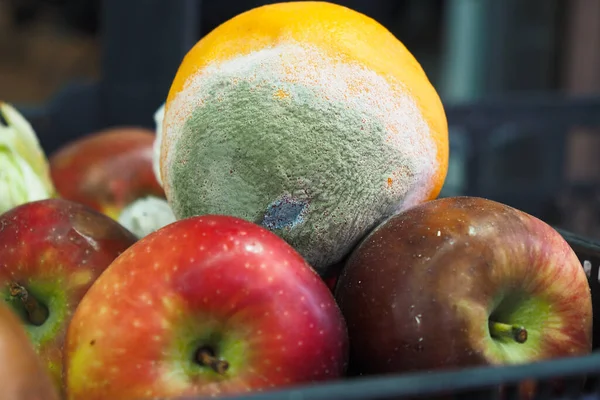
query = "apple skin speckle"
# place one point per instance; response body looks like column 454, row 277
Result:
column 191, row 286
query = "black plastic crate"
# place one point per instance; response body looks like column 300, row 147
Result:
column 478, row 382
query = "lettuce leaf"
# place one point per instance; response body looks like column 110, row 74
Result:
column 24, row 167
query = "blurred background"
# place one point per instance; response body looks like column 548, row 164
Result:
column 519, row 80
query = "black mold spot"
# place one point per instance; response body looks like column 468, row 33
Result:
column 284, row 212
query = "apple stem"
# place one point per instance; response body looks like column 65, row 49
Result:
column 207, row 358
column 502, row 330
column 37, row 313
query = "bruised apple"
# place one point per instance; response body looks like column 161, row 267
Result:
column 107, row 170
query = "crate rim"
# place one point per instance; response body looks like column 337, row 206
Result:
column 434, row 382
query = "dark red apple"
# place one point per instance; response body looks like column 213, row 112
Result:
column 210, row 305
column 107, row 170
column 50, row 253
column 460, row 282
column 22, row 374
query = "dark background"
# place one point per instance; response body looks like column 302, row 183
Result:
column 519, row 80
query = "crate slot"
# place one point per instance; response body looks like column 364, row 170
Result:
column 490, row 393
column 543, row 390
column 512, row 392
column 573, row 387
column 592, row 386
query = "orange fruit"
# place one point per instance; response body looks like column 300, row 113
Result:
column 308, row 118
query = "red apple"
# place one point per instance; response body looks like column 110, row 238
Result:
column 50, row 253
column 22, row 375
column 460, row 282
column 107, row 170
column 208, row 305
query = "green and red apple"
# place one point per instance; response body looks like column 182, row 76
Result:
column 51, row 251
column 209, row 305
column 459, row 282
column 22, row 374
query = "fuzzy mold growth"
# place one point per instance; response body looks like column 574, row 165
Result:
column 316, row 149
